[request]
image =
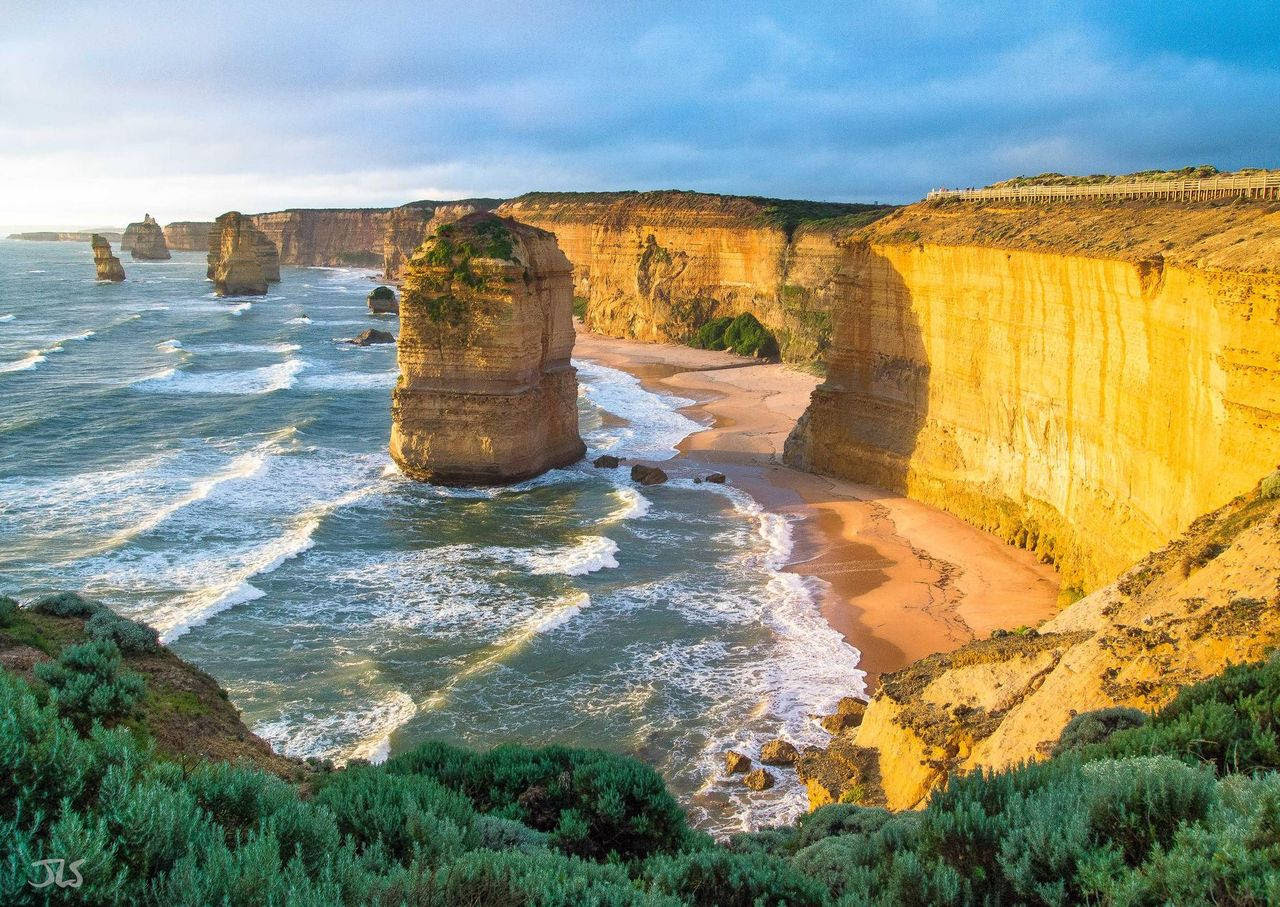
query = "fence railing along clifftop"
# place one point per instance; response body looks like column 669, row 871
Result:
column 1263, row 184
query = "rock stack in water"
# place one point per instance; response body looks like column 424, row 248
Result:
column 144, row 240
column 242, row 261
column 486, row 394
column 107, row 265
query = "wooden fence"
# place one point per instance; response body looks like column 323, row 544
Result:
column 1264, row 184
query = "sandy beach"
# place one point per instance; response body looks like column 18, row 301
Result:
column 901, row 580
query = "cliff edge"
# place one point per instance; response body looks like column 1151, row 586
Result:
column 486, row 393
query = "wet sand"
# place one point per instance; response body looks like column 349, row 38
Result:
column 902, row 580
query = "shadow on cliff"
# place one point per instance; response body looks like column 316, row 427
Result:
column 863, row 423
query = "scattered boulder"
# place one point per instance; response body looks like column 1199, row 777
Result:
column 779, row 752
column 382, row 301
column 760, row 779
column 717, row 477
column 647, row 475
column 848, row 715
column 106, row 264
column 605, row 461
column 735, row 763
column 370, row 337
column 144, row 240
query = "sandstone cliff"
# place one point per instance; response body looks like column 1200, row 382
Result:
column 1209, row 599
column 242, row 261
column 106, row 265
column 486, row 393
column 1083, row 380
column 73, row 236
column 144, row 240
column 188, row 235
column 657, row 265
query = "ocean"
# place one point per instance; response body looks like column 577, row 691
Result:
column 218, row 469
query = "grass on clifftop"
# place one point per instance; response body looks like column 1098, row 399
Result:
column 1200, row 172
column 1181, row 808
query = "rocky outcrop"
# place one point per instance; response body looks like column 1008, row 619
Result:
column 188, row 235
column 486, row 393
column 74, row 236
column 144, row 241
column 242, row 261
column 1207, row 600
column 658, row 265
column 382, row 301
column 371, row 337
column 108, row 267
column 409, row 225
column 1083, row 381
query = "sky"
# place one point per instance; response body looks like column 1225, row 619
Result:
column 187, row 110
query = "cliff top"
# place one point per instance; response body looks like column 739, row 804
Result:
column 679, row 205
column 1229, row 234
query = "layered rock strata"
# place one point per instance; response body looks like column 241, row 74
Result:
column 486, row 393
column 188, row 235
column 409, row 225
column 106, row 265
column 73, row 236
column 144, row 241
column 242, row 261
column 656, row 266
column 1207, row 600
column 1083, row 382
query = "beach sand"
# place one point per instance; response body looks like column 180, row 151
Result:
column 902, row 580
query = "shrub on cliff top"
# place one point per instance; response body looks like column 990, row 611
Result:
column 89, row 683
column 66, row 604
column 1097, row 726
column 132, row 637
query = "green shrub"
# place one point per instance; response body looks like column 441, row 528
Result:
column 592, row 803
column 382, row 294
column 580, row 307
column 88, row 682
column 66, row 604
column 1097, row 726
column 131, row 637
column 743, row 335
column 8, row 611
column 840, row 819
column 42, row 760
column 1271, row 486
column 711, row 335
column 719, row 878
column 542, row 878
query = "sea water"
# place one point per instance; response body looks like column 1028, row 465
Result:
column 219, row 469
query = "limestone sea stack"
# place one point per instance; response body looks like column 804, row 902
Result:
column 144, row 241
column 486, row 394
column 382, row 301
column 107, row 265
column 242, row 261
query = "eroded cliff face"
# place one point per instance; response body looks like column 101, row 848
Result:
column 1086, row 407
column 326, row 238
column 106, row 265
column 1207, row 600
column 486, row 394
column 409, row 225
column 242, row 261
column 655, row 266
column 144, row 240
column 188, row 235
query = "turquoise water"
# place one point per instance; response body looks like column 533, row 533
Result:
column 219, row 469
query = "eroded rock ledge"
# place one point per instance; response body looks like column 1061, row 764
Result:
column 486, row 393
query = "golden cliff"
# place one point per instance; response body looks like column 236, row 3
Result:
column 188, row 235
column 242, row 261
column 106, row 265
column 1083, row 381
column 657, row 265
column 144, row 241
column 324, row 237
column 486, row 394
column 405, row 228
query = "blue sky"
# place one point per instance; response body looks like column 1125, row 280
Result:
column 188, row 110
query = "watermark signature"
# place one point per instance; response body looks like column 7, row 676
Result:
column 53, row 874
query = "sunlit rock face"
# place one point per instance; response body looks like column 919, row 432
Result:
column 1083, row 381
column 242, row 261
column 486, row 393
column 187, row 235
column 106, row 265
column 144, row 240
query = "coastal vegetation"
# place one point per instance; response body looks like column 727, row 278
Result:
column 742, row 334
column 1180, row 807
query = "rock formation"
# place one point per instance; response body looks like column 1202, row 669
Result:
column 407, row 226
column 486, row 394
column 1082, row 381
column 382, row 301
column 72, row 236
column 241, row 260
column 188, row 235
column 107, row 265
column 1207, row 600
column 371, row 337
column 144, row 241
column 658, row 265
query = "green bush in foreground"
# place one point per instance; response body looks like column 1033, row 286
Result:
column 1183, row 809
column 743, row 335
column 131, row 637
column 90, row 683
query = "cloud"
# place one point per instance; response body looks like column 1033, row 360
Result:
column 189, row 110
